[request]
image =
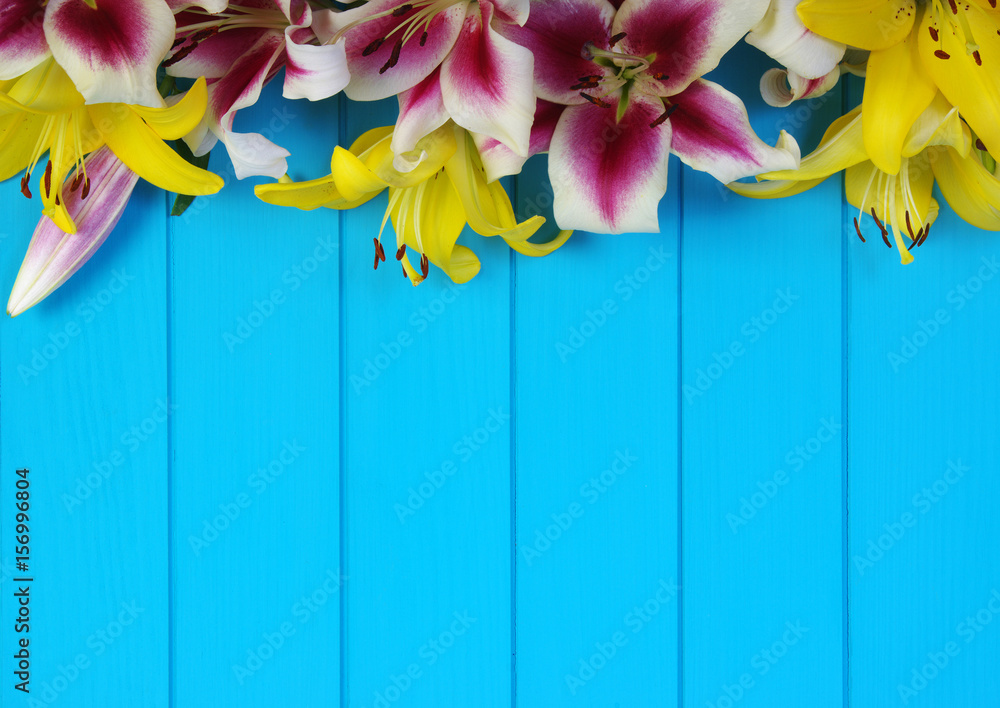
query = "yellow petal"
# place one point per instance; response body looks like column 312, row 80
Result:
column 19, row 132
column 973, row 89
column 141, row 149
column 940, row 124
column 897, row 91
column 370, row 138
column 842, row 146
column 174, row 122
column 307, row 195
column 867, row 24
column 972, row 191
column 438, row 146
column 45, row 89
column 774, row 189
column 352, row 177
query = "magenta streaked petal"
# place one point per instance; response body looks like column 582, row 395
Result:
column 215, row 56
column 111, row 53
column 213, row 6
column 486, row 83
column 241, row 85
column 421, row 112
column 609, row 176
column 314, row 72
column 500, row 161
column 515, row 11
column 22, row 38
column 712, row 133
column 53, row 256
column 556, row 32
column 372, row 77
column 688, row 37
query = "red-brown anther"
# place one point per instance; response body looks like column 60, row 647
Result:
column 180, row 55
column 663, row 116
column 979, row 59
column 58, row 203
column 954, row 7
column 379, row 251
column 584, row 85
column 75, row 184
column 885, row 238
column 616, row 39
column 941, row 54
column 878, row 221
column 934, row 33
column 202, row 35
column 376, row 261
column 404, row 271
column 86, row 188
column 857, row 227
column 423, row 38
column 25, row 190
column 909, row 227
column 178, row 42
column 927, row 232
column 402, row 10
column 372, row 47
column 980, row 145
column 595, row 100
column 393, row 58
column 425, row 265
column 401, row 252
column 916, row 240
column 658, row 75
column 48, row 178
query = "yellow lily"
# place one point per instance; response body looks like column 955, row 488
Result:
column 938, row 144
column 918, row 48
column 429, row 206
column 41, row 111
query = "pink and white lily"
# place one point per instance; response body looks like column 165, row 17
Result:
column 445, row 59
column 53, row 255
column 109, row 48
column 239, row 50
column 628, row 80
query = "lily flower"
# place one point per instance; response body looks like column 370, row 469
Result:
column 782, row 36
column 938, row 144
column 917, row 49
column 53, row 255
column 446, row 60
column 239, row 50
column 41, row 112
column 628, row 79
column 429, row 206
column 109, row 48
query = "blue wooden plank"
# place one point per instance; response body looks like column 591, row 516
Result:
column 255, row 462
column 924, row 570
column 596, row 464
column 762, row 435
column 83, row 385
column 427, row 464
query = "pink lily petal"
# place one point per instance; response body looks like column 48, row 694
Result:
column 609, row 176
column 314, row 72
column 111, row 53
column 215, row 56
column 555, row 33
column 53, row 256
column 515, row 11
column 22, row 39
column 782, row 36
column 486, row 82
column 688, row 37
column 421, row 112
column 500, row 161
column 213, row 6
column 712, row 133
column 376, row 76
column 780, row 87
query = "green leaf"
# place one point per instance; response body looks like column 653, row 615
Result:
column 183, row 201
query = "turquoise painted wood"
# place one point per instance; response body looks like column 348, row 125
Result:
column 749, row 461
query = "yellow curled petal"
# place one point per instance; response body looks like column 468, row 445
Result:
column 842, row 146
column 866, row 24
column 971, row 190
column 142, row 151
column 19, row 132
column 352, row 177
column 774, row 189
column 176, row 121
column 307, row 195
column 897, row 91
column 940, row 124
column 369, row 138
